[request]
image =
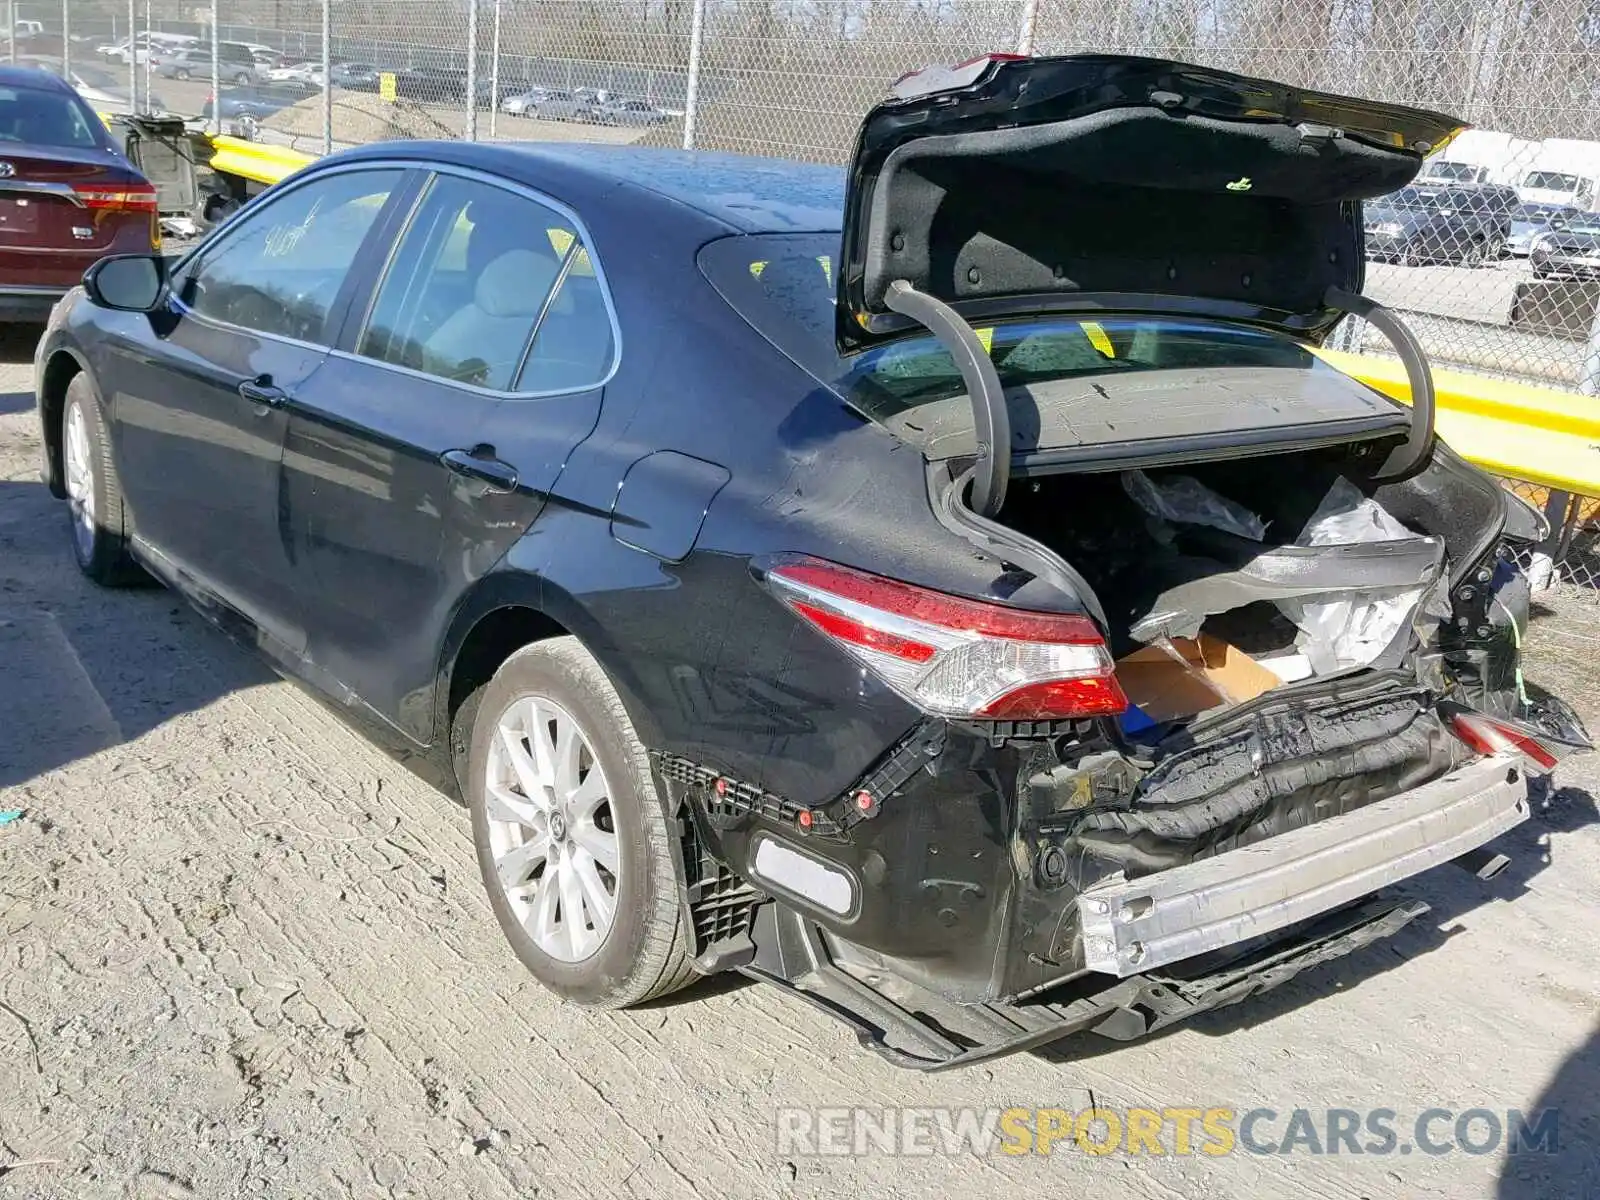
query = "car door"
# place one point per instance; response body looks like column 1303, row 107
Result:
column 428, row 441
column 198, row 405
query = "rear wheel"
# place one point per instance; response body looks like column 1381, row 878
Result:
column 94, row 493
column 1472, row 254
column 181, row 73
column 242, row 77
column 573, row 839
column 1412, row 255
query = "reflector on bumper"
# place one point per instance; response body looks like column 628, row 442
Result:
column 1133, row 926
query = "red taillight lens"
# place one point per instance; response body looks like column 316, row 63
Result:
column 953, row 656
column 1488, row 736
column 121, row 197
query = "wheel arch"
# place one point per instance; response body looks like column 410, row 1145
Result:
column 506, row 611
column 60, row 369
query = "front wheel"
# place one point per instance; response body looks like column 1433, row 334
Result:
column 182, row 73
column 94, row 492
column 573, row 838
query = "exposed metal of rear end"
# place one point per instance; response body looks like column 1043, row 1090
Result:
column 1130, row 926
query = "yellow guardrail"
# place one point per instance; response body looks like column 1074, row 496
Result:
column 1516, row 430
column 256, row 161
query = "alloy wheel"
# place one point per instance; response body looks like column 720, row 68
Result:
column 79, row 463
column 552, row 833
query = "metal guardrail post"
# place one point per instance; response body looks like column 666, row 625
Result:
column 12, row 18
column 472, row 70
column 1560, row 512
column 691, row 105
column 1589, row 376
column 148, row 106
column 327, row 77
column 1025, row 27
column 66, row 38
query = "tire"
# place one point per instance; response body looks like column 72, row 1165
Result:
column 1472, row 254
column 645, row 951
column 182, row 73
column 1411, row 255
column 1541, row 272
column 241, row 78
column 94, row 493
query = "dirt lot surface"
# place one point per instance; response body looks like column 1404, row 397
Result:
column 242, row 954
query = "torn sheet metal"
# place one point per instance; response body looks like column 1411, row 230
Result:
column 1288, row 573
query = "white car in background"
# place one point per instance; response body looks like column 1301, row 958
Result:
column 141, row 47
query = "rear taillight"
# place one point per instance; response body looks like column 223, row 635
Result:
column 121, row 197
column 1488, row 736
column 955, row 657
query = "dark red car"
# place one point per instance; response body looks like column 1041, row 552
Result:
column 68, row 195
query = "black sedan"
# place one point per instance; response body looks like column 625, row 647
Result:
column 860, row 580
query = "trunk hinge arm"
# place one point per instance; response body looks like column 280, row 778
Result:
column 1411, row 457
column 989, row 411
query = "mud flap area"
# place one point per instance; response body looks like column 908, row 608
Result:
column 917, row 1029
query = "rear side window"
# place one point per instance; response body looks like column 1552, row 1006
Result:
column 492, row 289
column 783, row 285
column 36, row 117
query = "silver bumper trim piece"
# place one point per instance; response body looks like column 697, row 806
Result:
column 1130, row 926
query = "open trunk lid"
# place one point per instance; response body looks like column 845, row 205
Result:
column 1110, row 182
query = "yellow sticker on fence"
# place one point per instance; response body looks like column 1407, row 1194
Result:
column 386, row 86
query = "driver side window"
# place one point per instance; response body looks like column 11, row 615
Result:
column 280, row 267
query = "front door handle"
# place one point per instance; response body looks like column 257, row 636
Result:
column 480, row 463
column 261, row 391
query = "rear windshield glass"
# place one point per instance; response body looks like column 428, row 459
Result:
column 783, row 285
column 40, row 118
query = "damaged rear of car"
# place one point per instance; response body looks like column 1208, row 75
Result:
column 1253, row 650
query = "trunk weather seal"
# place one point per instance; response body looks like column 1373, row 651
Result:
column 991, row 417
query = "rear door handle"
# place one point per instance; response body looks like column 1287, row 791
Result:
column 261, row 391
column 480, row 463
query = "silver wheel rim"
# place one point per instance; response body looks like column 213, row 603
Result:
column 552, row 832
column 80, row 479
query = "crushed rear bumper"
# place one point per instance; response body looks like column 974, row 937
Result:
column 1175, row 942
column 1132, row 926
column 916, row 1028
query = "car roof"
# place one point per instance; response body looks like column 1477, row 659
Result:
column 746, row 193
column 34, row 77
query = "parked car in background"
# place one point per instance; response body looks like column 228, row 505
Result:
column 68, row 193
column 235, row 63
column 1530, row 221
column 144, row 46
column 556, row 105
column 618, row 111
column 526, row 103
column 356, row 76
column 1572, row 252
column 253, row 103
column 1427, row 223
column 1496, row 204
column 837, row 622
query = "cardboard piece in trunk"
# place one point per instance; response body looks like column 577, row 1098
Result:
column 1212, row 672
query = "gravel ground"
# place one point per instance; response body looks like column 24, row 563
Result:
column 242, row 954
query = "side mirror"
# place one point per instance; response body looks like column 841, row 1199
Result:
column 127, row 282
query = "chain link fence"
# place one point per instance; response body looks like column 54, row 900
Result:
column 1493, row 255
